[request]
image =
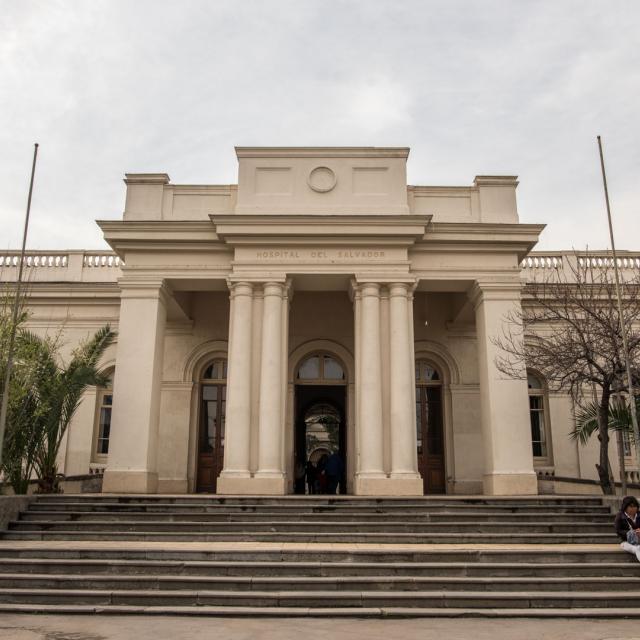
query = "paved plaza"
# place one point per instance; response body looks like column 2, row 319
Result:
column 34, row 627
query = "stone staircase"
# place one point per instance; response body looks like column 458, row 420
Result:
column 318, row 555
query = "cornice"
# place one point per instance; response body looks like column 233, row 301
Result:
column 303, row 228
column 322, row 152
column 155, row 226
column 165, row 235
column 480, row 237
column 475, row 229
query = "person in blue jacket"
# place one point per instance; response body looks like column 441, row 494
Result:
column 334, row 471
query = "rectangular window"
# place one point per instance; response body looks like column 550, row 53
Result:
column 626, row 442
column 104, row 423
column 536, row 413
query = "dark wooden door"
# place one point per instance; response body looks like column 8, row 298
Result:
column 211, row 438
column 430, row 438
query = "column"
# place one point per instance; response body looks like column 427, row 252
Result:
column 271, row 414
column 404, row 461
column 504, row 402
column 235, row 474
column 369, row 418
column 132, row 464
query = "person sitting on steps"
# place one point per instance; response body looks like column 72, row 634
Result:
column 627, row 525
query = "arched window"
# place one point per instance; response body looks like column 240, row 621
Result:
column 429, row 424
column 320, row 368
column 537, row 415
column 102, row 422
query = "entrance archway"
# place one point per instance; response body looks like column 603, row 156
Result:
column 211, row 431
column 320, row 424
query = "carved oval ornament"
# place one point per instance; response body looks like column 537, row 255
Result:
column 322, row 179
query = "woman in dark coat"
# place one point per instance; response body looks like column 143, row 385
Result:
column 627, row 526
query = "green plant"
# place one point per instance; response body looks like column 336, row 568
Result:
column 60, row 390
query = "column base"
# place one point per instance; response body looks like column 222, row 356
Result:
column 510, row 484
column 253, row 486
column 116, row 481
column 384, row 486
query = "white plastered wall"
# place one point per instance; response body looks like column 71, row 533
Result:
column 188, row 349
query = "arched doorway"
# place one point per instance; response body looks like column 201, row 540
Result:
column 320, row 420
column 429, row 422
column 213, row 396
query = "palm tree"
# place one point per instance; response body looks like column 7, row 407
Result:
column 587, row 420
column 59, row 392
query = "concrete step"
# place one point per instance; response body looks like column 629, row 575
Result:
column 325, row 507
column 336, row 613
column 302, row 555
column 171, row 515
column 464, row 537
column 507, row 526
column 319, row 599
column 323, row 499
column 609, row 584
column 194, row 552
column 96, row 566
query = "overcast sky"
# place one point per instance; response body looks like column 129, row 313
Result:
column 473, row 87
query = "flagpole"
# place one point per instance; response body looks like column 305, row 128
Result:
column 625, row 347
column 16, row 306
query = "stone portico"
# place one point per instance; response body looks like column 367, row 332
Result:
column 317, row 251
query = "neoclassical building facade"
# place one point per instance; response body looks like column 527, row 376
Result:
column 320, row 305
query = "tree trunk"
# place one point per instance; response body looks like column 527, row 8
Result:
column 604, row 470
column 48, row 481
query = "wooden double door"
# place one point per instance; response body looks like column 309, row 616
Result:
column 211, row 433
column 430, row 432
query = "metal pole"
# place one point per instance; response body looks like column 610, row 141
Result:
column 16, row 306
column 632, row 398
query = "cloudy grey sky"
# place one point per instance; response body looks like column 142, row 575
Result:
column 473, row 87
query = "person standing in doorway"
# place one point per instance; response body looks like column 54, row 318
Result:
column 311, row 474
column 334, row 469
column 300, row 476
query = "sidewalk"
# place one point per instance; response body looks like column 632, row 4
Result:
column 30, row 627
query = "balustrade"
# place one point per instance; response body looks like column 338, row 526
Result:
column 64, row 266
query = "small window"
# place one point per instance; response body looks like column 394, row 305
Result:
column 426, row 373
column 332, row 369
column 217, row 370
column 320, row 367
column 533, row 382
column 310, row 369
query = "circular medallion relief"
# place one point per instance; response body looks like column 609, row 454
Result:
column 322, row 179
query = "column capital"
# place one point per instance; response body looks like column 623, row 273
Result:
column 359, row 290
column 273, row 288
column 138, row 288
column 240, row 288
column 505, row 290
column 402, row 289
column 370, row 289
